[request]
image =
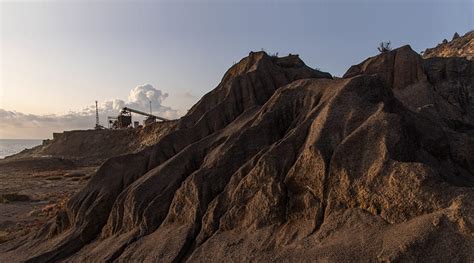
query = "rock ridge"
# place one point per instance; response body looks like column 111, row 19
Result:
column 280, row 162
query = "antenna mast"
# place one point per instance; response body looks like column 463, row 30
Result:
column 97, row 125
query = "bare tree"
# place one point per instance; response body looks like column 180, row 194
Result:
column 384, row 47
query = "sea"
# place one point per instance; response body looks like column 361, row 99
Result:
column 12, row 146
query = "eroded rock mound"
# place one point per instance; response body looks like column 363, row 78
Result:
column 281, row 162
column 93, row 147
column 439, row 89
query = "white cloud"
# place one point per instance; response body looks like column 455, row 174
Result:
column 188, row 95
column 20, row 125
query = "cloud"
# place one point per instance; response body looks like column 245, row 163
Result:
column 141, row 95
column 20, row 125
column 187, row 95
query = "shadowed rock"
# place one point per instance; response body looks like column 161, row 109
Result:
column 282, row 163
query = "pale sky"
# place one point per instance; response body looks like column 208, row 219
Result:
column 58, row 57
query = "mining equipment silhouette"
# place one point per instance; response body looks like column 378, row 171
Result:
column 124, row 119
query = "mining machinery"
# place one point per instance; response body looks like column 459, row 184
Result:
column 124, row 119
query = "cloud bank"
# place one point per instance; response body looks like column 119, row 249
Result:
column 20, row 125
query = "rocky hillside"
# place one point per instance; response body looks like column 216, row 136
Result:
column 459, row 46
column 89, row 147
column 282, row 163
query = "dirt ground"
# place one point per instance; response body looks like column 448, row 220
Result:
column 33, row 189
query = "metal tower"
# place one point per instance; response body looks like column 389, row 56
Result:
column 97, row 125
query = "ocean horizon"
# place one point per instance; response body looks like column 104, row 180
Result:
column 13, row 146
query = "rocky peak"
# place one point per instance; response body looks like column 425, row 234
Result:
column 249, row 83
column 455, row 36
column 439, row 88
column 459, row 46
column 398, row 68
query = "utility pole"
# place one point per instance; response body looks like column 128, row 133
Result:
column 150, row 108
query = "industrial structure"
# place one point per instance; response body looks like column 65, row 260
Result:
column 97, row 124
column 124, row 119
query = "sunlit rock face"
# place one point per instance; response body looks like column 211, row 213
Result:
column 458, row 46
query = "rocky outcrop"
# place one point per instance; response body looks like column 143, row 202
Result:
column 440, row 89
column 398, row 69
column 457, row 47
column 282, row 163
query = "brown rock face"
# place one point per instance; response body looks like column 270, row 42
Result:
column 440, row 89
column 282, row 163
column 399, row 68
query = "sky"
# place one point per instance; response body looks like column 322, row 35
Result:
column 58, row 57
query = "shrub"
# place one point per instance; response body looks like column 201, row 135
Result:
column 384, row 47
